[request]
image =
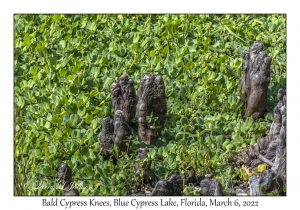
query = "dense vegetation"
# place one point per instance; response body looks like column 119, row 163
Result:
column 63, row 68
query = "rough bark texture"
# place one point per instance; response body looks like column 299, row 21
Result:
column 106, row 137
column 266, row 147
column 272, row 151
column 123, row 97
column 114, row 132
column 122, row 131
column 148, row 175
column 171, row 187
column 279, row 166
column 151, row 109
column 264, row 184
column 65, row 179
column 117, row 131
column 255, row 80
column 211, row 188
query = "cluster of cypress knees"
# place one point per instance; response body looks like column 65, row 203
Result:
column 151, row 108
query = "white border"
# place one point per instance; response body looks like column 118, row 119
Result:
column 8, row 8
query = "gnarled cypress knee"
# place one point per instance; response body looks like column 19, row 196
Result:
column 171, row 187
column 106, row 137
column 255, row 80
column 122, row 131
column 123, row 97
column 151, row 108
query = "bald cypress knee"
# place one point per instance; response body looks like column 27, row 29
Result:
column 65, row 179
column 123, row 97
column 106, row 137
column 151, row 108
column 255, row 80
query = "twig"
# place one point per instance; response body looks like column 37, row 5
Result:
column 262, row 158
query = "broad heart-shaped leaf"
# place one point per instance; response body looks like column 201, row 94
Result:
column 89, row 119
column 219, row 140
column 96, row 146
column 77, row 68
column 80, row 103
column 73, row 89
column 81, row 111
column 73, row 120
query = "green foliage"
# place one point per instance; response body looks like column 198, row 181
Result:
column 191, row 191
column 63, row 68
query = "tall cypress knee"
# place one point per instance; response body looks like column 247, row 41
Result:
column 151, row 108
column 123, row 97
column 255, row 80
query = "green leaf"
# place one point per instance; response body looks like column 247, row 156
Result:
column 229, row 147
column 96, row 146
column 76, row 153
column 81, row 111
column 94, row 93
column 76, row 68
column 207, row 41
column 49, row 118
column 166, row 50
column 258, row 21
column 93, row 26
column 107, row 83
column 89, row 119
column 151, row 53
column 62, row 43
column 136, row 38
column 56, row 119
column 234, row 34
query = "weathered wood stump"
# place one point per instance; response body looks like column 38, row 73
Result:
column 123, row 97
column 171, row 187
column 144, row 169
column 272, row 151
column 255, row 80
column 263, row 184
column 151, row 108
column 65, row 179
column 266, row 148
column 279, row 166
